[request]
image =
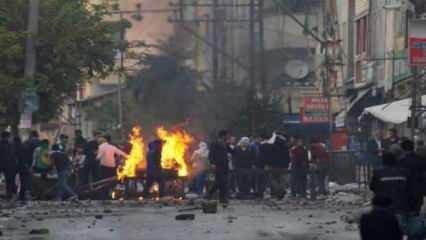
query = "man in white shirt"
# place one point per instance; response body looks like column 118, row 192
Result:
column 107, row 154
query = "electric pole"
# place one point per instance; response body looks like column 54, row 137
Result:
column 252, row 74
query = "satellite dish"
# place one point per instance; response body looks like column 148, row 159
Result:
column 297, row 69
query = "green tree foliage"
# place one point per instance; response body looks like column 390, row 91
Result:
column 74, row 43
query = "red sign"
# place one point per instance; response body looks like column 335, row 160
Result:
column 417, row 51
column 314, row 110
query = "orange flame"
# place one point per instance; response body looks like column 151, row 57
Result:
column 136, row 157
column 175, row 147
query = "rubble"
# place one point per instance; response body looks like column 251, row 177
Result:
column 182, row 217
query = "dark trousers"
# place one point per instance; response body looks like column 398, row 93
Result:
column 244, row 180
column 150, row 180
column 9, row 175
column 25, row 179
column 199, row 182
column 299, row 182
column 278, row 184
column 107, row 172
column 221, row 185
column 260, row 182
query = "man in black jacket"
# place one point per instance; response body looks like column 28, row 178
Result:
column 380, row 223
column 278, row 162
column 8, row 164
column 394, row 183
column 25, row 163
column 416, row 167
column 218, row 157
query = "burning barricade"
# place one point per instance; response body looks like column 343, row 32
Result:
column 174, row 168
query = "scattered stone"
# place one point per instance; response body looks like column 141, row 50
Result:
column 42, row 231
column 111, row 230
column 99, row 216
column 183, row 217
column 107, row 211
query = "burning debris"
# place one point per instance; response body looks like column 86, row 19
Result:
column 175, row 149
column 137, row 157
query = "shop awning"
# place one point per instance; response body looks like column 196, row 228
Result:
column 340, row 118
column 395, row 112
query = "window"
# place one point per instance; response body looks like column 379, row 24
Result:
column 361, row 35
column 358, row 71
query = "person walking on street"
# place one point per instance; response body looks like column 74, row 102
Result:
column 299, row 169
column 244, row 160
column 62, row 143
column 154, row 170
column 25, row 163
column 218, row 157
column 200, row 164
column 380, row 222
column 62, row 164
column 79, row 140
column 266, row 151
column 8, row 164
column 80, row 166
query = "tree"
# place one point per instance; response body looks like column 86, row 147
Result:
column 73, row 45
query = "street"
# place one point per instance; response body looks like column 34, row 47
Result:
column 133, row 220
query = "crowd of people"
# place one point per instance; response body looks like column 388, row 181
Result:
column 246, row 167
column 87, row 161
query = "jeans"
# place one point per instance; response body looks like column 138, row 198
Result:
column 199, row 182
column 412, row 226
column 9, row 175
column 63, row 188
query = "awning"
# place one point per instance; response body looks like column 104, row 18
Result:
column 341, row 117
column 395, row 112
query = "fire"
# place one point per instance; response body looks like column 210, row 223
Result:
column 136, row 157
column 174, row 150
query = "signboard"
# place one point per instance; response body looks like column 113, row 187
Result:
column 361, row 7
column 26, row 120
column 393, row 4
column 30, row 102
column 314, row 110
column 417, row 42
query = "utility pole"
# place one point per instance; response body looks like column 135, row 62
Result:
column 252, row 74
column 415, row 103
column 215, row 67
column 30, row 51
column 120, row 76
column 30, row 63
column 263, row 72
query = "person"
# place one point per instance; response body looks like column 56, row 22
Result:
column 218, row 157
column 41, row 160
column 393, row 143
column 299, row 169
column 321, row 158
column 232, row 177
column 266, row 150
column 107, row 154
column 79, row 140
column 80, row 166
column 244, row 157
column 8, row 164
column 421, row 149
column 200, row 164
column 62, row 164
column 25, row 163
column 154, row 170
column 63, row 143
column 380, row 222
column 373, row 151
column 278, row 162
column 92, row 167
column 398, row 184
